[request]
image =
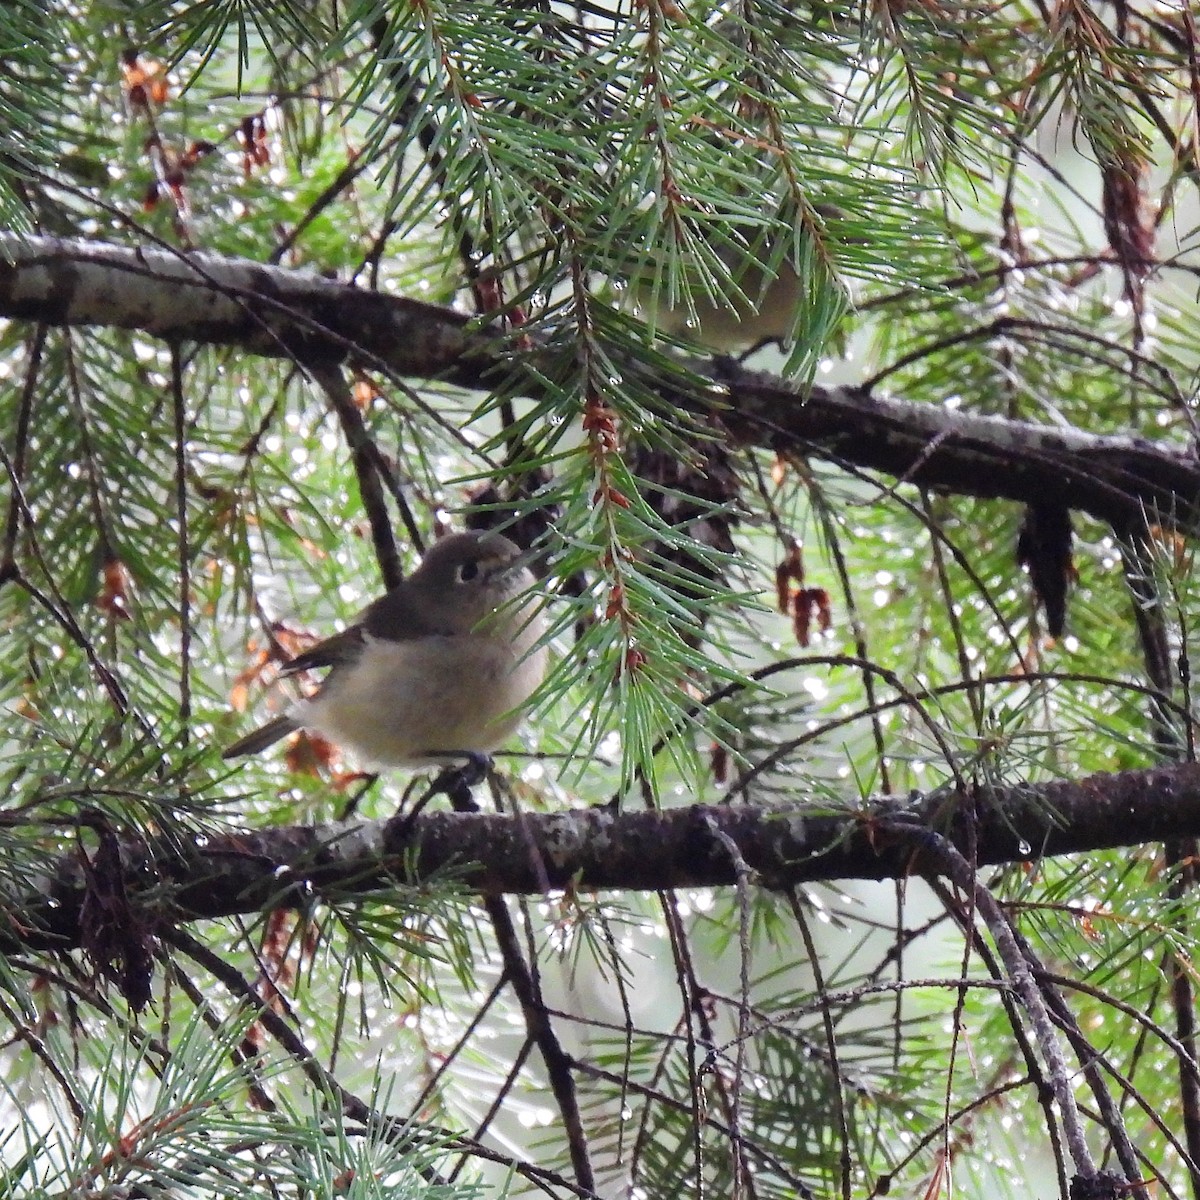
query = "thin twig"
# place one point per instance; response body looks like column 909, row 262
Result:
column 20, row 446
column 1021, row 965
column 398, row 1130
column 537, row 1020
column 837, row 1082
column 179, row 414
column 745, row 878
column 332, row 381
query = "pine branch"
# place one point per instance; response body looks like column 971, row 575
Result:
column 218, row 875
column 273, row 312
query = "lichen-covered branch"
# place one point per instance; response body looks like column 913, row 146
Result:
column 270, row 311
column 599, row 848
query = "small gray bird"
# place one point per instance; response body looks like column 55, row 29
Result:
column 437, row 669
column 750, row 295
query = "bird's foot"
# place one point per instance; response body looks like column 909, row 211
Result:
column 456, row 781
column 468, row 769
column 351, row 805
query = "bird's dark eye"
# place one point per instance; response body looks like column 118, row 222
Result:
column 468, row 571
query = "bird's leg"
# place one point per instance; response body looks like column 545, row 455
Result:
column 351, row 806
column 455, row 782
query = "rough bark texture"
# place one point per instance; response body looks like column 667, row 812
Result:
column 599, row 848
column 274, row 312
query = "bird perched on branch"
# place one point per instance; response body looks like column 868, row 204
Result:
column 734, row 293
column 738, row 283
column 437, row 669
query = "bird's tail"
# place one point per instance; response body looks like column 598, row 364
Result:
column 260, row 739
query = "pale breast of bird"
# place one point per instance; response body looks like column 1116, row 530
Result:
column 398, row 704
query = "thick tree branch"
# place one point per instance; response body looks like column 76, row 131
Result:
column 209, row 299
column 220, row 875
column 1124, row 481
column 270, row 311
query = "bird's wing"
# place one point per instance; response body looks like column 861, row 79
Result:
column 343, row 647
column 394, row 617
column 407, row 613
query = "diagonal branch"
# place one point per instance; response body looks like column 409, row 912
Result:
column 275, row 312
